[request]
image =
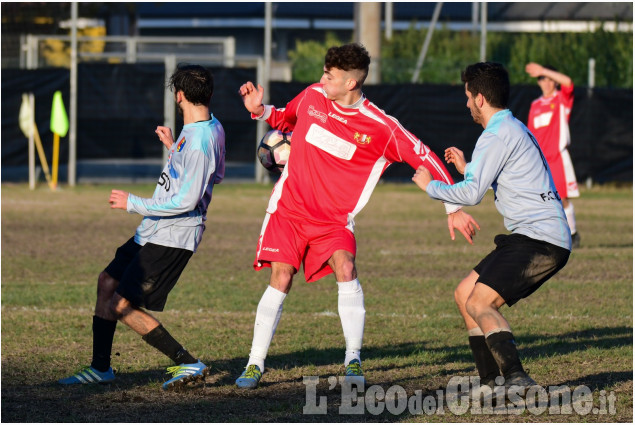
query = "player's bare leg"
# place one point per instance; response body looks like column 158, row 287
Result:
column 485, row 363
column 482, row 306
column 189, row 369
column 351, row 309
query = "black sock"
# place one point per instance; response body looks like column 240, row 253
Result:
column 485, row 363
column 503, row 348
column 103, row 334
column 160, row 339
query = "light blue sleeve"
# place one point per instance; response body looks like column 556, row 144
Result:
column 188, row 189
column 488, row 159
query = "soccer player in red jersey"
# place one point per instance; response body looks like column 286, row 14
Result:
column 342, row 143
column 549, row 122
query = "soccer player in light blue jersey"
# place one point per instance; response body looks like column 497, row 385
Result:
column 508, row 159
column 146, row 268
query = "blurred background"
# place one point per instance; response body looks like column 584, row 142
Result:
column 110, row 61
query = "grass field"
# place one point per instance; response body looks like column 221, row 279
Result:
column 576, row 330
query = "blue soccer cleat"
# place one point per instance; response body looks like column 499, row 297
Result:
column 184, row 373
column 250, row 377
column 89, row 375
column 354, row 373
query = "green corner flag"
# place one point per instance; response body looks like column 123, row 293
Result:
column 59, row 120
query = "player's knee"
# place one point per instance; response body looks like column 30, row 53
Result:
column 460, row 297
column 119, row 306
column 106, row 285
column 473, row 307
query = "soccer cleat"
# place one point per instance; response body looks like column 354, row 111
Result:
column 354, row 373
column 184, row 373
column 89, row 375
column 250, row 377
column 575, row 240
column 519, row 379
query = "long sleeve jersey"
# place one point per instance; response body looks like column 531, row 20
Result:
column 338, row 155
column 508, row 159
column 549, row 122
column 175, row 215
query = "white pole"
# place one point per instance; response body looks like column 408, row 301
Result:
column 388, row 20
column 474, row 18
column 264, row 74
column 169, row 106
column 32, row 143
column 591, row 76
column 72, row 135
column 426, row 43
column 483, row 31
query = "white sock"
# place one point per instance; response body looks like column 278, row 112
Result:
column 570, row 213
column 350, row 305
column 267, row 318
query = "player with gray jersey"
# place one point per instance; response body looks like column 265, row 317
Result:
column 146, row 268
column 508, row 159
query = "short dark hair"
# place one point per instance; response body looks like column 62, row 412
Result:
column 196, row 82
column 349, row 57
column 490, row 79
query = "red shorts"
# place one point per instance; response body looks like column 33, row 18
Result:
column 564, row 176
column 292, row 241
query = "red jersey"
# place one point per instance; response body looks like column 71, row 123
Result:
column 549, row 122
column 338, row 155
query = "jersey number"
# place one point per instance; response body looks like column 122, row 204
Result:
column 164, row 180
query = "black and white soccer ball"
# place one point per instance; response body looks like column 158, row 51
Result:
column 274, row 149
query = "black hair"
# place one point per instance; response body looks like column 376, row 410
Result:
column 348, row 57
column 196, row 82
column 491, row 80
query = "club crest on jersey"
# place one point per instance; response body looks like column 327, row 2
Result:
column 180, row 145
column 317, row 114
column 362, row 139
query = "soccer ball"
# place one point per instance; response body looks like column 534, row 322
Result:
column 274, row 149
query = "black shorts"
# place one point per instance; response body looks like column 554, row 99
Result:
column 147, row 274
column 520, row 265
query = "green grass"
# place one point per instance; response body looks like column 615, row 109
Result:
column 576, row 330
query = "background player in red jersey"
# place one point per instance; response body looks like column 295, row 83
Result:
column 549, row 123
column 342, row 143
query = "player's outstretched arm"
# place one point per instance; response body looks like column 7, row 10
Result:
column 464, row 223
column 252, row 97
column 536, row 70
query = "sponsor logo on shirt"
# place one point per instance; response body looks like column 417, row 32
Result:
column 543, row 120
column 180, row 145
column 362, row 139
column 337, row 117
column 317, row 114
column 270, row 249
column 330, row 143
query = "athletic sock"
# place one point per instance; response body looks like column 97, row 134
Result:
column 503, row 348
column 161, row 339
column 570, row 213
column 267, row 318
column 103, row 334
column 350, row 306
column 485, row 363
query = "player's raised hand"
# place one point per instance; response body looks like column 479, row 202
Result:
column 118, row 199
column 464, row 223
column 252, row 97
column 422, row 177
column 534, row 70
column 165, row 135
column 455, row 156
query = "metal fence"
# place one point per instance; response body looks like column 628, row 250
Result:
column 43, row 51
